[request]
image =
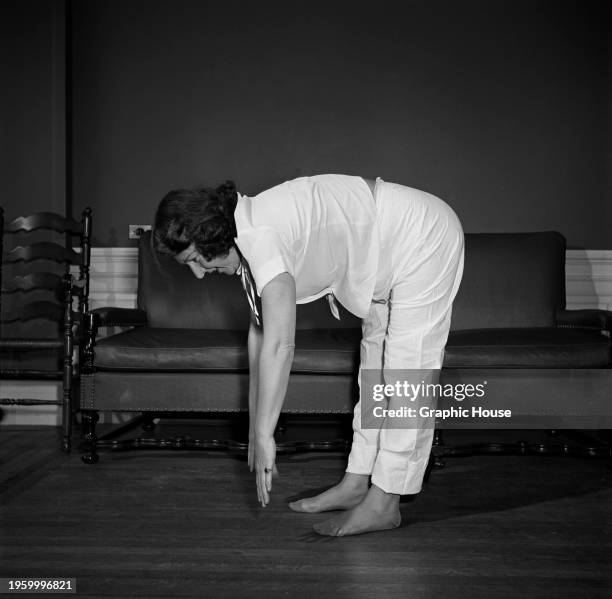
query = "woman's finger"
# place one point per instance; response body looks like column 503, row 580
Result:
column 269, row 473
column 266, row 497
column 261, row 487
column 258, row 489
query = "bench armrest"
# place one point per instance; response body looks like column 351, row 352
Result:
column 120, row 317
column 590, row 319
column 106, row 317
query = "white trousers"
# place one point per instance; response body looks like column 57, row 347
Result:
column 420, row 269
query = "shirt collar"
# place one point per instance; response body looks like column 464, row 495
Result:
column 242, row 213
column 243, row 221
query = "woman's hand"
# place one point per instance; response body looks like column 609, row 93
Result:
column 265, row 467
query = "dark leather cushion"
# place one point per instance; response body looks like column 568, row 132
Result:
column 333, row 351
column 173, row 298
column 511, row 280
column 336, row 351
column 527, row 348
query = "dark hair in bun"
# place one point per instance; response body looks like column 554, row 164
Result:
column 204, row 217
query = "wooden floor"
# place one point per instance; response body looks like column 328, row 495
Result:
column 186, row 524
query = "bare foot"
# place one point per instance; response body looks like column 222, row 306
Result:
column 377, row 511
column 346, row 494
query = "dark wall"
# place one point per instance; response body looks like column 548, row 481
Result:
column 32, row 140
column 32, row 108
column 608, row 195
column 500, row 107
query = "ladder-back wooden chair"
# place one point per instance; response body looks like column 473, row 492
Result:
column 41, row 276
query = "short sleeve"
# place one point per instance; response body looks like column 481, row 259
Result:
column 266, row 253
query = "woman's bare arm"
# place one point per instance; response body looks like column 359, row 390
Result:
column 275, row 359
column 254, row 348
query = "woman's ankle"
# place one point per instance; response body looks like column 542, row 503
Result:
column 376, row 496
column 355, row 481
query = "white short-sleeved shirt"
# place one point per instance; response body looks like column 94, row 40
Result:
column 321, row 230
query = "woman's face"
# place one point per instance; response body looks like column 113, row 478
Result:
column 199, row 266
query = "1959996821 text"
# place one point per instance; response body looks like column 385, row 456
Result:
column 37, row 585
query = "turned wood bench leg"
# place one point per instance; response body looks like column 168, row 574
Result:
column 435, row 456
column 148, row 423
column 90, row 418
